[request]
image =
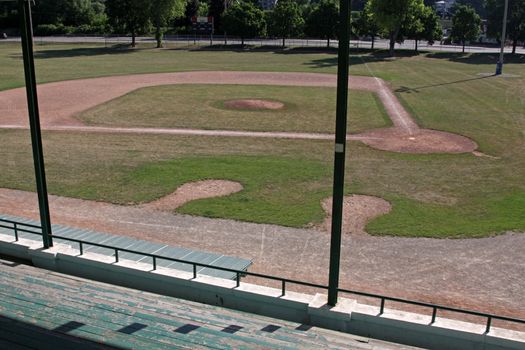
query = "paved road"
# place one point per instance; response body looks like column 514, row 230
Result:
column 205, row 40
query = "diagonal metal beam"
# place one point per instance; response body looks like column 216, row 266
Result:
column 26, row 30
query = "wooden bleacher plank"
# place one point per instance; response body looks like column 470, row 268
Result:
column 299, row 336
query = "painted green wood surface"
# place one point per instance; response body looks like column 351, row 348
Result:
column 44, row 301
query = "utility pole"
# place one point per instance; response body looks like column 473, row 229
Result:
column 499, row 65
column 26, row 29
column 343, row 53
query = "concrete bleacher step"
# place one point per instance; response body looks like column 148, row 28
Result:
column 50, row 300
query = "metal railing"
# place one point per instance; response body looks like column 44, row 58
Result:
column 18, row 227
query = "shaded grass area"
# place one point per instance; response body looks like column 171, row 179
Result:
column 284, row 180
column 307, row 109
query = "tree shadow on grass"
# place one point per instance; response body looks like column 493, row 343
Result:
column 84, row 52
column 361, row 56
column 406, row 89
column 476, row 58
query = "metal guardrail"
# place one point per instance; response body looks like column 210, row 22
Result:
column 18, row 227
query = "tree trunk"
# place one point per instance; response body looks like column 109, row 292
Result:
column 392, row 43
column 373, row 40
column 133, row 36
column 328, row 42
column 283, row 42
column 415, row 46
column 158, row 33
column 514, row 44
column 463, row 42
column 242, row 41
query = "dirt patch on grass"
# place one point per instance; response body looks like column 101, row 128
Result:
column 253, row 104
column 357, row 211
column 418, row 141
column 192, row 191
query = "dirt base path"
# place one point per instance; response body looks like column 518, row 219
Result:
column 61, row 101
column 483, row 274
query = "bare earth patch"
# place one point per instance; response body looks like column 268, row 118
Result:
column 253, row 104
column 357, row 211
column 192, row 191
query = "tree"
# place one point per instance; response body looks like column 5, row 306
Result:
column 245, row 20
column 390, row 15
column 365, row 24
column 68, row 12
column 515, row 20
column 425, row 25
column 322, row 22
column 216, row 10
column 8, row 14
column 285, row 20
column 132, row 16
column 466, row 25
column 162, row 12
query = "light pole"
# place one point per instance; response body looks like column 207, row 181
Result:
column 26, row 29
column 499, row 65
column 343, row 53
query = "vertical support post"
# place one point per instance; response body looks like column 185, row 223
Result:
column 340, row 145
column 26, row 29
column 499, row 65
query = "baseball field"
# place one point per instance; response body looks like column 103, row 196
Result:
column 436, row 194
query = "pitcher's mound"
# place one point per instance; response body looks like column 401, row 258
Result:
column 253, row 104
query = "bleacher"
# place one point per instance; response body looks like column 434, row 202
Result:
column 40, row 309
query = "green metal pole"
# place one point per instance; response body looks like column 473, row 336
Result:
column 26, row 29
column 340, row 146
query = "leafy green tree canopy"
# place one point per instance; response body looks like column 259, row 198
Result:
column 322, row 22
column 245, row 20
column 130, row 16
column 515, row 20
column 466, row 25
column 69, row 12
column 162, row 11
column 424, row 25
column 285, row 20
column 365, row 24
column 391, row 15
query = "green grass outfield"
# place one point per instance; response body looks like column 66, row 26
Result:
column 432, row 195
